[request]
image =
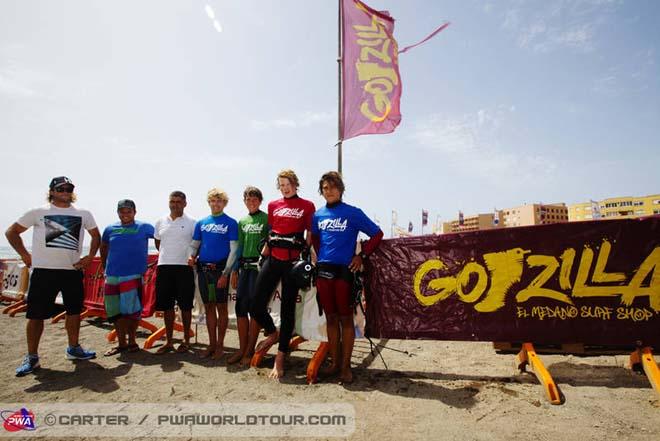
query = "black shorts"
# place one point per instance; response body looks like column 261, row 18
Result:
column 43, row 289
column 207, row 278
column 175, row 283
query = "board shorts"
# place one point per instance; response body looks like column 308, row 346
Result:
column 123, row 297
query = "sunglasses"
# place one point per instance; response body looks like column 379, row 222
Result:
column 63, row 189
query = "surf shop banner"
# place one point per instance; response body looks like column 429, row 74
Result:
column 371, row 83
column 584, row 282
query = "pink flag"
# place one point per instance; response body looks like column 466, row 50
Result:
column 371, row 86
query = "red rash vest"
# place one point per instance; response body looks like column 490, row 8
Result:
column 288, row 216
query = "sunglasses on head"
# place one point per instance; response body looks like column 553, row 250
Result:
column 64, row 189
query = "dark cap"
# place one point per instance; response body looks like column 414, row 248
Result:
column 126, row 203
column 60, row 180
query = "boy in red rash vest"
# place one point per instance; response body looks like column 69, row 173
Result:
column 289, row 219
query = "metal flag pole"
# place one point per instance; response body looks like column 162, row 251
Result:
column 339, row 99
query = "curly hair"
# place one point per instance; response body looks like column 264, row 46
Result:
column 290, row 175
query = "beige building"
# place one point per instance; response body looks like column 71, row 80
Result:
column 473, row 223
column 615, row 208
column 535, row 214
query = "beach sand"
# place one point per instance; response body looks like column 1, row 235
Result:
column 429, row 390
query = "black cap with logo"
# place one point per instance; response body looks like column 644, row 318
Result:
column 126, row 203
column 59, row 181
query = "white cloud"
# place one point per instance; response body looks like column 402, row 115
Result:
column 471, row 143
column 580, row 37
column 559, row 24
column 304, row 119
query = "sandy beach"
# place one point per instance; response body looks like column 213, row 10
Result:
column 429, row 389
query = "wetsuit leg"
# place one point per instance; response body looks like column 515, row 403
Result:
column 266, row 282
column 288, row 308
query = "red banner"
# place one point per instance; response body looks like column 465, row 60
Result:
column 371, row 83
column 592, row 282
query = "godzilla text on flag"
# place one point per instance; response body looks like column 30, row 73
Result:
column 371, row 86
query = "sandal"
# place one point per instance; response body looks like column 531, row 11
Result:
column 165, row 349
column 133, row 348
column 183, row 347
column 114, row 351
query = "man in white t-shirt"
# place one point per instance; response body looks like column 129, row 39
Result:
column 57, row 238
column 175, row 280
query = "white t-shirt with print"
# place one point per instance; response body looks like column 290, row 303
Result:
column 175, row 237
column 58, row 235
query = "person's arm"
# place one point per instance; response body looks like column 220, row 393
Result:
column 195, row 244
column 368, row 247
column 224, row 278
column 93, row 248
column 233, row 279
column 157, row 235
column 194, row 249
column 13, row 235
column 105, row 247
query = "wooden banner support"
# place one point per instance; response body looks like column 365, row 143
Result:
column 89, row 312
column 159, row 333
column 20, row 306
column 316, row 362
column 259, row 356
column 527, row 356
column 642, row 359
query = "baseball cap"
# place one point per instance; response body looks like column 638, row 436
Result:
column 60, row 180
column 126, row 203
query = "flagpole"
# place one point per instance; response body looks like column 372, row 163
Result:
column 339, row 99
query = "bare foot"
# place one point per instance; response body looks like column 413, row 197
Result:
column 235, row 358
column 264, row 345
column 329, row 371
column 208, row 352
column 346, row 376
column 245, row 361
column 219, row 352
column 278, row 369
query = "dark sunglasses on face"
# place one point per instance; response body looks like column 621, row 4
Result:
column 64, row 189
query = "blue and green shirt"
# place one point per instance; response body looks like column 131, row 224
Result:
column 128, row 247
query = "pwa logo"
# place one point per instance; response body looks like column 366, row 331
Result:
column 19, row 420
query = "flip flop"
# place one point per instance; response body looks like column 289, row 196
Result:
column 183, row 347
column 114, row 351
column 133, row 348
column 165, row 349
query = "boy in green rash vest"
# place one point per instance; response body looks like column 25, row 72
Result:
column 252, row 231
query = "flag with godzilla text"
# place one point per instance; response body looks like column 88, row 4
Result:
column 371, row 83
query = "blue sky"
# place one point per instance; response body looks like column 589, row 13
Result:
column 516, row 102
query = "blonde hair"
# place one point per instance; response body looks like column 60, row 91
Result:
column 290, row 175
column 215, row 192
